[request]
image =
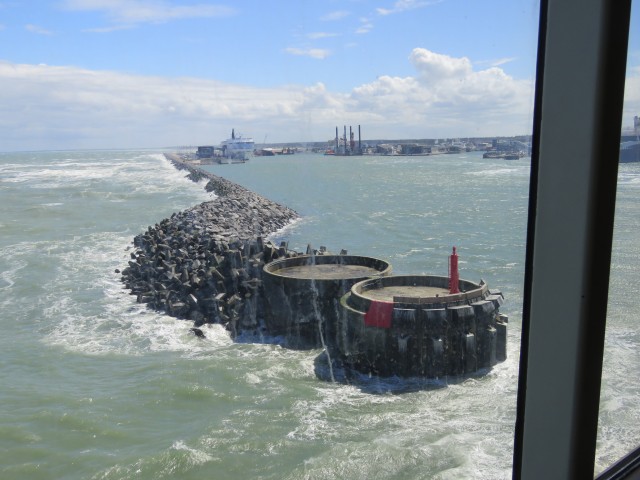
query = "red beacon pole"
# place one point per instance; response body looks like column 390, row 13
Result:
column 454, row 276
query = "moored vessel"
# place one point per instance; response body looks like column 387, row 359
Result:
column 237, row 147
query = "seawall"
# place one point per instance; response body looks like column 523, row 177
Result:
column 205, row 263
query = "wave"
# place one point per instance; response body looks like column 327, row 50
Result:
column 501, row 171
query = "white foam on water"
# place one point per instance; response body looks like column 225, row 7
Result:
column 85, row 307
column 628, row 178
column 99, row 316
column 315, row 417
column 88, row 309
column 173, row 462
column 426, row 430
column 148, row 173
column 500, row 172
column 196, row 457
column 58, row 175
column 289, row 228
column 10, row 270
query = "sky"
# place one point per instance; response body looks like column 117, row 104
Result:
column 78, row 74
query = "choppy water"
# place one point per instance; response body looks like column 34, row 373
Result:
column 95, row 386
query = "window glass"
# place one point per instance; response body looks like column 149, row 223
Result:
column 397, row 130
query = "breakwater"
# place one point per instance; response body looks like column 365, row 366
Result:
column 211, row 264
column 205, row 263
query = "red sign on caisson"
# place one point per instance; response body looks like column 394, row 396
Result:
column 379, row 314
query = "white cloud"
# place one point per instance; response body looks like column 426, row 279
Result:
column 404, row 5
column 38, row 30
column 365, row 26
column 496, row 62
column 318, row 53
column 318, row 35
column 448, row 97
column 47, row 107
column 148, row 11
column 112, row 28
column 436, row 66
column 333, row 16
column 502, row 61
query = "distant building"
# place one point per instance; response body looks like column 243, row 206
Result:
column 385, row 149
column 205, row 152
column 414, row 149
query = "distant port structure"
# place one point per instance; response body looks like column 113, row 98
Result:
column 345, row 143
column 235, row 149
column 344, row 147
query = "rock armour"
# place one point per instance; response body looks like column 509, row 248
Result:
column 205, row 263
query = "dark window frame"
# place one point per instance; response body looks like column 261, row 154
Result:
column 582, row 55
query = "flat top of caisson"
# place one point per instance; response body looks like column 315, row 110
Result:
column 327, row 271
column 387, row 294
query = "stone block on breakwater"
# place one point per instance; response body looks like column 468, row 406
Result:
column 205, row 263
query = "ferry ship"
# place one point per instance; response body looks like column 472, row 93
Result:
column 237, row 147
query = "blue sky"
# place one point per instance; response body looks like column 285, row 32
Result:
column 154, row 73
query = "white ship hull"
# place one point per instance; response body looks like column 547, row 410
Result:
column 237, row 147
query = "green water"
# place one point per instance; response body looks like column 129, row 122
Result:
column 94, row 386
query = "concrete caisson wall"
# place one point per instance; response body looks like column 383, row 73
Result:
column 301, row 294
column 428, row 336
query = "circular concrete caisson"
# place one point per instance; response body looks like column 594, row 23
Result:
column 302, row 294
column 412, row 326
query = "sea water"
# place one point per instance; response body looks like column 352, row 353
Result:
column 95, row 386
